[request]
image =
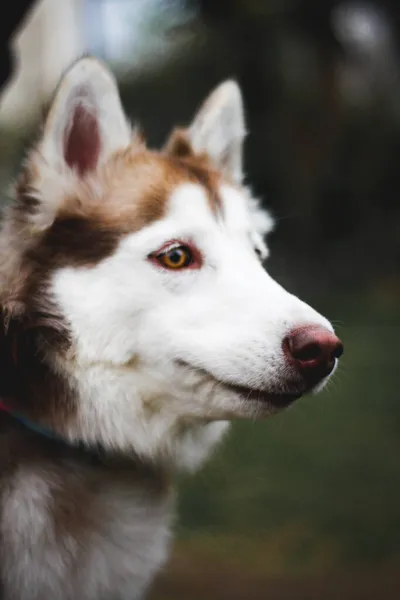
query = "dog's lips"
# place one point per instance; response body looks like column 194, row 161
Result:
column 277, row 400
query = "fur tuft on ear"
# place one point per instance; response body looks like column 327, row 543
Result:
column 86, row 122
column 262, row 220
column 218, row 129
column 178, row 144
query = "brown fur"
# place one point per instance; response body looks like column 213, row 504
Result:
column 135, row 188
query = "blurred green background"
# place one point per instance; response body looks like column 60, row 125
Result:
column 307, row 504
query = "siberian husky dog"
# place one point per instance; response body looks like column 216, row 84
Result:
column 136, row 321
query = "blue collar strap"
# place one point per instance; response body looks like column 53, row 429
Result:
column 30, row 425
column 95, row 454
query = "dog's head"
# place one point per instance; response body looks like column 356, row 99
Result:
column 134, row 302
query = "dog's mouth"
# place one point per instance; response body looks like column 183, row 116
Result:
column 275, row 400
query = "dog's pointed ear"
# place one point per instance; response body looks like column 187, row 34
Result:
column 218, row 129
column 86, row 122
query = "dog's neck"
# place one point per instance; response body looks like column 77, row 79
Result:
column 129, row 411
column 119, row 409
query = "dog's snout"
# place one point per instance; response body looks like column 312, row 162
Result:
column 312, row 351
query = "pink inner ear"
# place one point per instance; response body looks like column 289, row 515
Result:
column 82, row 141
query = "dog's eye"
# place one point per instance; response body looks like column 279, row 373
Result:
column 178, row 256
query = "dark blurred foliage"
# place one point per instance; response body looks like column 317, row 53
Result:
column 11, row 19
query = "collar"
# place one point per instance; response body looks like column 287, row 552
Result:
column 93, row 455
column 30, row 424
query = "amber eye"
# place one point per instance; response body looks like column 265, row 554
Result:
column 178, row 257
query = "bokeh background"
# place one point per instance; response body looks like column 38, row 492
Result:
column 307, row 504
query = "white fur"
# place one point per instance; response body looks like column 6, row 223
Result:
column 117, row 560
column 132, row 323
column 153, row 352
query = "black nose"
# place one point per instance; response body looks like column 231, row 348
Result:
column 312, row 350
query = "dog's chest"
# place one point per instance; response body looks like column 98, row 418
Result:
column 127, row 549
column 67, row 543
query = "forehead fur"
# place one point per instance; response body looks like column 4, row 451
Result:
column 127, row 193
